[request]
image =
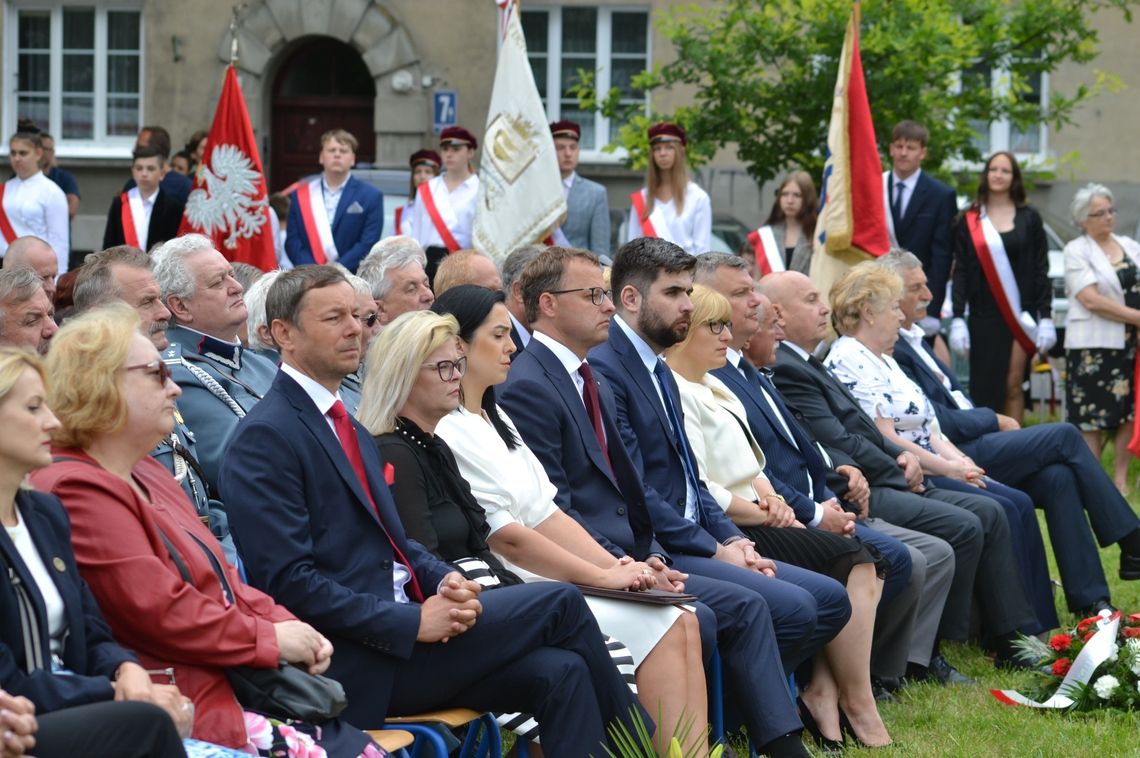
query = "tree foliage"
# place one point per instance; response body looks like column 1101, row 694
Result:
column 762, row 73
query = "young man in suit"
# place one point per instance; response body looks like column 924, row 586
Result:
column 176, row 185
column 975, row 526
column 334, row 218
column 319, row 531
column 587, row 224
column 144, row 215
column 1048, row 461
column 599, row 485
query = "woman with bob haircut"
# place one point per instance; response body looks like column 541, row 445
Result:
column 134, row 526
column 669, row 205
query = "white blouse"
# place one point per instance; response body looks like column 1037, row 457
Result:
column 53, row 602
column 37, row 206
column 456, row 209
column 691, row 229
column 883, row 389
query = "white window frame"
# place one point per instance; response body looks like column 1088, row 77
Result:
column 1001, row 129
column 602, row 74
column 100, row 146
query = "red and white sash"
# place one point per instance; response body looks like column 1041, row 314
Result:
column 557, row 237
column 424, row 193
column 6, row 229
column 768, row 255
column 315, row 217
column 399, row 219
column 999, row 275
column 653, row 226
column 132, row 217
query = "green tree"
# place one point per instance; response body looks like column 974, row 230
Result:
column 763, row 73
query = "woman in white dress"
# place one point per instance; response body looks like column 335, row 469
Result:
column 669, row 205
column 537, row 540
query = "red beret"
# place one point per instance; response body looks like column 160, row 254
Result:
column 665, row 131
column 425, row 156
column 566, row 129
column 458, row 134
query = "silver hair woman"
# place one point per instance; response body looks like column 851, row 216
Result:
column 1102, row 281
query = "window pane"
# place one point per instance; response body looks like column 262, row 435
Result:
column 123, row 74
column 538, row 67
column 79, row 28
column 534, row 30
column 78, row 73
column 630, row 31
column 78, row 117
column 35, row 107
column 122, row 30
column 579, row 30
column 981, row 136
column 34, row 30
column 622, row 73
column 584, row 119
column 122, row 116
column 570, row 68
column 34, row 72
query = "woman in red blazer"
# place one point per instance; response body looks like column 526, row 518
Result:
column 115, row 401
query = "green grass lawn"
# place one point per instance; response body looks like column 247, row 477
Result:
column 939, row 721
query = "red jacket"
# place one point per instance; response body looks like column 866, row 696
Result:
column 151, row 610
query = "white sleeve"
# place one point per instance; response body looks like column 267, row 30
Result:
column 58, row 225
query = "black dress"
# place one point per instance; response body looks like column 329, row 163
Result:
column 990, row 338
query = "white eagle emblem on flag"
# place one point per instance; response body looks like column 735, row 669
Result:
column 230, row 201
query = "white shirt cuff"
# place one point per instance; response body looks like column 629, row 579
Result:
column 818, row 515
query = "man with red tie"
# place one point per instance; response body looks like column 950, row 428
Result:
column 144, row 215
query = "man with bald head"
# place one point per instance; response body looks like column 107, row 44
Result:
column 466, row 267
column 37, row 255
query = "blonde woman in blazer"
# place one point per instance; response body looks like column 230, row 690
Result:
column 1102, row 282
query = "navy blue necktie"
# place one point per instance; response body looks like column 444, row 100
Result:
column 687, row 459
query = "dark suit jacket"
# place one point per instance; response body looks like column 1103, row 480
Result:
column 1028, row 252
column 609, row 503
column 958, row 424
column 310, row 538
column 354, row 233
column 925, row 231
column 823, row 404
column 88, row 650
column 165, row 219
column 644, row 429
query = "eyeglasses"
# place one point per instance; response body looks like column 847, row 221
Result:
column 449, row 369
column 716, row 327
column 370, row 320
column 1102, row 214
column 157, row 368
column 597, row 294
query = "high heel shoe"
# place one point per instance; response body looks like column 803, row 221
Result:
column 829, row 746
column 849, row 731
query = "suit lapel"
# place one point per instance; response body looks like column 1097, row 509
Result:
column 631, row 362
column 916, row 201
column 347, row 197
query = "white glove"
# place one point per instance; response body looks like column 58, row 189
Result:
column 959, row 337
column 1046, row 335
column 930, row 325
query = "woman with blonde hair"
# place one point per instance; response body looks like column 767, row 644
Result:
column 784, row 242
column 158, row 573
column 670, row 206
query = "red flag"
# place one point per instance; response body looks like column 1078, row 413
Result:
column 229, row 202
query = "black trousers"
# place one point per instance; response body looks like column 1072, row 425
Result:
column 108, row 730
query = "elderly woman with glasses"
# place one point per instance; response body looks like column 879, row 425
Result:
column 1102, row 282
column 156, row 570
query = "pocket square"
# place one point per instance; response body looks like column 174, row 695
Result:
column 355, row 208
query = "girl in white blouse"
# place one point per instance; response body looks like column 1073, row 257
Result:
column 669, row 205
column 538, row 540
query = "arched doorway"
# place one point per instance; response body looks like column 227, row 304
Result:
column 323, row 84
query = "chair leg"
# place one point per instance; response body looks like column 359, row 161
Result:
column 716, row 698
column 430, row 738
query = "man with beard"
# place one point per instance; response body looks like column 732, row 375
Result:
column 652, row 279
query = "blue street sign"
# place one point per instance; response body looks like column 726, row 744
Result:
column 444, row 109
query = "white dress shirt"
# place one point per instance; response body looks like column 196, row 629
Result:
column 571, row 362
column 902, row 199
column 324, row 400
column 568, row 182
column 914, row 338
column 456, row 208
column 331, row 197
column 524, row 333
column 37, row 206
column 691, row 229
column 53, row 602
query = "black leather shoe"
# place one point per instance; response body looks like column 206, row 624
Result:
column 1095, row 609
column 1129, row 566
column 829, row 746
column 942, row 672
column 884, row 688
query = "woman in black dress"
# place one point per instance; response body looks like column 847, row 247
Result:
column 998, row 361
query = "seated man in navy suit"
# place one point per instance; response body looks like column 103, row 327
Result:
column 334, row 217
column 318, row 530
column 599, row 486
column 652, row 279
column 1050, row 462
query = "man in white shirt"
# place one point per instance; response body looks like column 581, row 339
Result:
column 145, row 215
column 37, row 255
column 32, row 204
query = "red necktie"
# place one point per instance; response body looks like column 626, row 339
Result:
column 346, row 433
column 593, row 407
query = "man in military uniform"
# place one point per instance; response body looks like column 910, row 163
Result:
column 123, row 273
column 220, row 380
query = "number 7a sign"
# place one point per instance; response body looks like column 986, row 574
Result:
column 445, row 106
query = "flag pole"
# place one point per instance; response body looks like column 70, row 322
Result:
column 234, row 34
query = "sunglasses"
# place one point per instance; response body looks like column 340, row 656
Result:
column 157, row 368
column 370, row 320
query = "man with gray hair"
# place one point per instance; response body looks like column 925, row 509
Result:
column 27, row 318
column 260, row 339
column 37, row 255
column 511, row 273
column 220, row 380
column 394, row 269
